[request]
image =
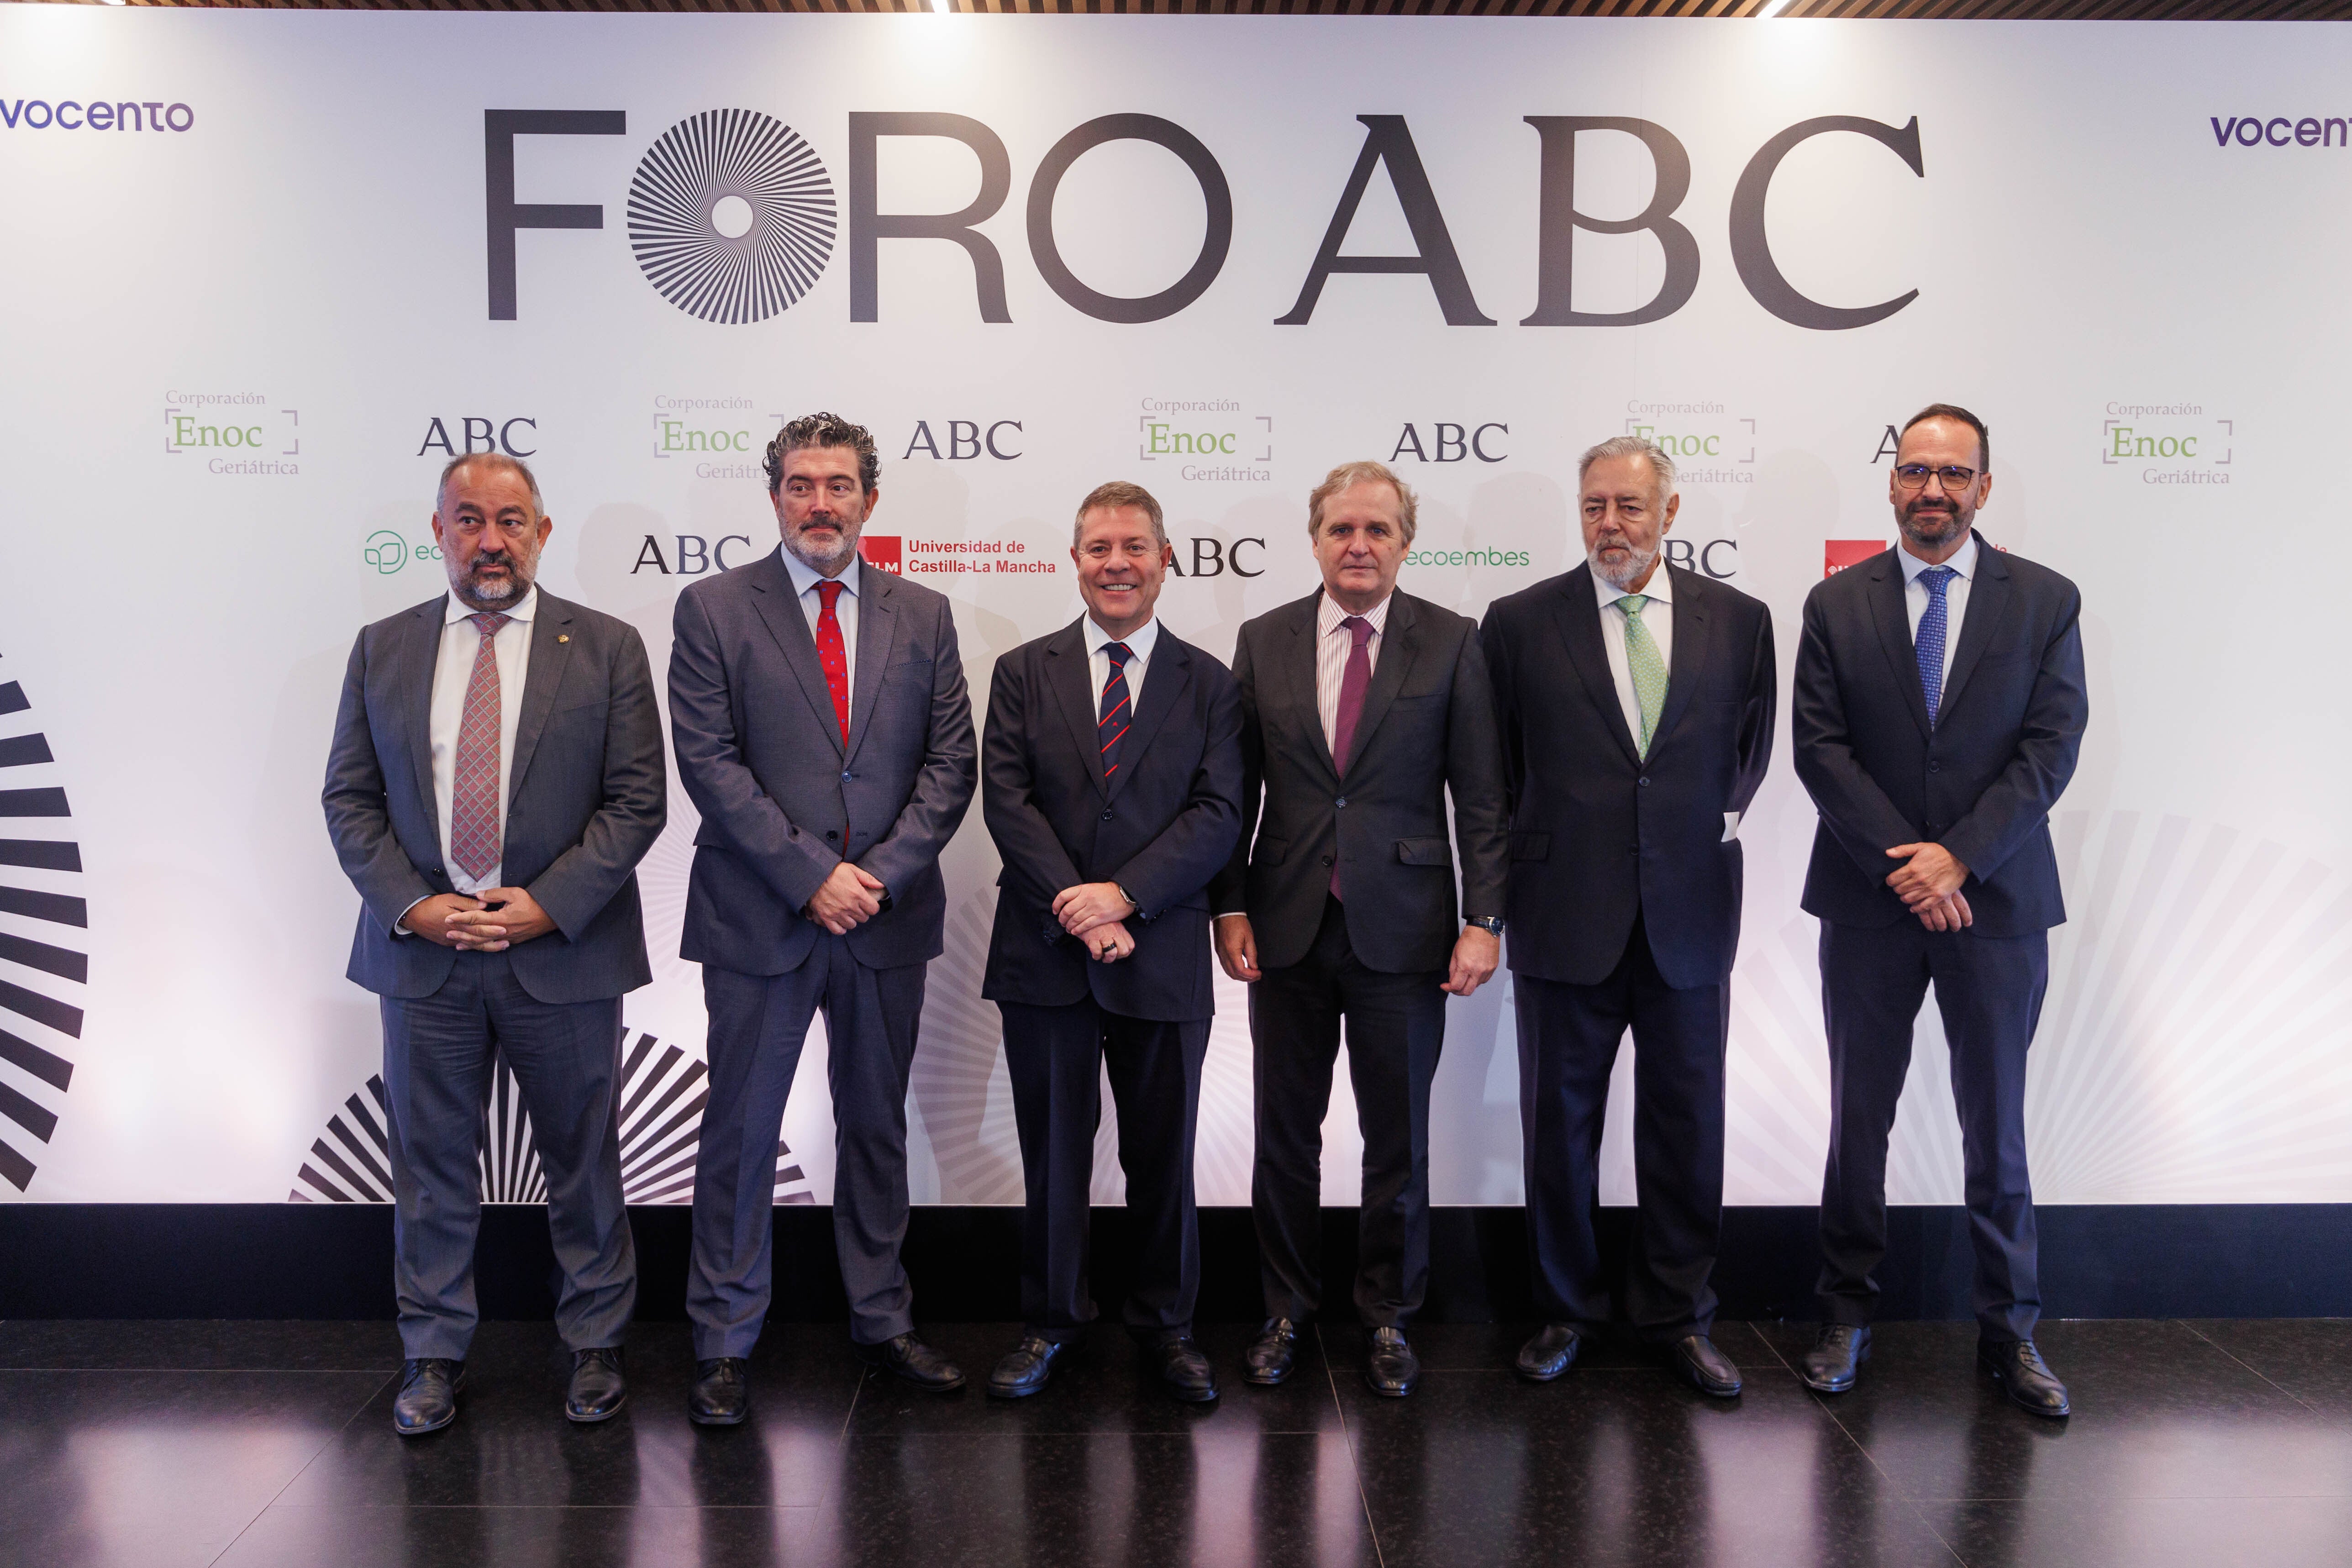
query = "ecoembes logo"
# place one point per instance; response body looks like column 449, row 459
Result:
column 233, row 434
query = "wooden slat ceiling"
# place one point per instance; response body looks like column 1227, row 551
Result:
column 1975, row 10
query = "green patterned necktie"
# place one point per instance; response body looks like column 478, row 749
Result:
column 1649, row 669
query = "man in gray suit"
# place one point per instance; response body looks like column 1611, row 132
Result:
column 497, row 775
column 824, row 733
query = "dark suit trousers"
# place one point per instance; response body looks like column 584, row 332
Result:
column 1396, row 1025
column 758, row 1023
column 1056, row 1057
column 1990, row 992
column 439, row 1053
column 1568, row 1037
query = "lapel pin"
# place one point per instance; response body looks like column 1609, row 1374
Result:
column 563, row 637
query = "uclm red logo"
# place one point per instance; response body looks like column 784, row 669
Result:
column 881, row 552
column 1837, row 554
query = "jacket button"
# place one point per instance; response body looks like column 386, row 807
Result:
column 1645, row 783
column 1341, row 801
column 847, row 777
column 1106, row 817
column 1934, row 767
column 829, row 833
column 1327, row 859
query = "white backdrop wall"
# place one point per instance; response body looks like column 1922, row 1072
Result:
column 2115, row 234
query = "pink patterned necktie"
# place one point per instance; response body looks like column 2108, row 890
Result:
column 474, row 827
column 1354, row 680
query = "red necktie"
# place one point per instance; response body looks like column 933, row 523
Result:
column 1352, row 682
column 1111, row 728
column 831, row 653
column 474, row 825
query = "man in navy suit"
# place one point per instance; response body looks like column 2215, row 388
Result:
column 1112, row 778
column 1938, row 714
column 823, row 731
column 1636, row 703
column 496, row 777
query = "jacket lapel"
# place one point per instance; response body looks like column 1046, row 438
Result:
column 1988, row 598
column 1299, row 670
column 1070, row 672
column 420, row 654
column 877, row 638
column 1580, row 629
column 1894, row 632
column 1689, row 658
column 780, row 607
column 1163, row 683
column 1398, row 645
column 550, row 653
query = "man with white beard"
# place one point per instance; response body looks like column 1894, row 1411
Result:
column 1636, row 703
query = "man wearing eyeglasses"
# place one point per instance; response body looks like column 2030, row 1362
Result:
column 1937, row 713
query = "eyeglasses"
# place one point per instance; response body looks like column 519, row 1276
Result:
column 1914, row 476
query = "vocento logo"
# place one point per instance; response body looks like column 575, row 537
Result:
column 2280, row 130
column 78, row 114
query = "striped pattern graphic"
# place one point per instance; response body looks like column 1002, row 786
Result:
column 41, row 909
column 663, row 1091
column 738, row 155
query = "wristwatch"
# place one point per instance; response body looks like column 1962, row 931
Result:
column 1131, row 898
column 1491, row 924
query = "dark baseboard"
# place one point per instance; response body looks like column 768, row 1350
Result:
column 333, row 1260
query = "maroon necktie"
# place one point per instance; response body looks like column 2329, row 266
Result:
column 1116, row 714
column 474, row 827
column 1352, row 682
column 831, row 653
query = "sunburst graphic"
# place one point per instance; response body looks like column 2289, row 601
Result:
column 731, row 215
column 41, row 891
column 663, row 1091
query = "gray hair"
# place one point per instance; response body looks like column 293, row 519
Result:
column 497, row 460
column 1347, row 476
column 1662, row 468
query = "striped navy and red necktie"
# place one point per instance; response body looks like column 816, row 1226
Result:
column 1117, row 713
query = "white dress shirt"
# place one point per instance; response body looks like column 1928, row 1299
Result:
column 805, row 578
column 1657, row 620
column 1333, row 642
column 1140, row 645
column 453, row 671
column 1956, row 594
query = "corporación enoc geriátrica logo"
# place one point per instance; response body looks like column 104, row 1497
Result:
column 1206, row 440
column 722, row 437
column 95, row 114
column 242, row 434
column 2177, row 444
column 1709, row 444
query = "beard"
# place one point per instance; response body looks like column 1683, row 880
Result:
column 498, row 592
column 817, row 555
column 1933, row 525
column 1634, row 565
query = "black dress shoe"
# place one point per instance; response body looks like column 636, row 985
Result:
column 428, row 1396
column 1184, row 1370
column 1703, row 1367
column 598, row 1390
column 1272, row 1355
column 1837, row 1355
column 1549, row 1354
column 722, row 1395
column 1025, row 1371
column 1390, row 1369
column 918, row 1363
column 2024, row 1376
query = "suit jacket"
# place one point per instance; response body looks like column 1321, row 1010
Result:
column 1163, row 824
column 1598, row 833
column 1428, row 727
column 586, row 796
column 783, row 800
column 1981, row 782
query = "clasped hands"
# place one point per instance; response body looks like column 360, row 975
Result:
column 1096, row 915
column 490, row 921
column 1928, row 883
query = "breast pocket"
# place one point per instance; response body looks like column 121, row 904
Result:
column 1425, row 852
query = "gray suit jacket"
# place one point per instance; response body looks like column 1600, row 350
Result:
column 1428, row 728
column 782, row 800
column 586, row 796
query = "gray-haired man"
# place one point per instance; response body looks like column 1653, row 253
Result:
column 496, row 776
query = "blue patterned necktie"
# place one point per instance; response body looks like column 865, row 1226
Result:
column 1111, row 728
column 1929, row 644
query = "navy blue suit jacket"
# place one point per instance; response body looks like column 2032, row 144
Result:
column 783, row 800
column 1598, row 833
column 586, row 796
column 1162, row 825
column 1981, row 782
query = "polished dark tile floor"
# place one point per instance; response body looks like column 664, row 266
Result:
column 158, row 1445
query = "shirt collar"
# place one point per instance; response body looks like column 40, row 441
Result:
column 1328, row 614
column 1963, row 560
column 1139, row 643
column 806, row 577
column 454, row 609
column 1658, row 590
